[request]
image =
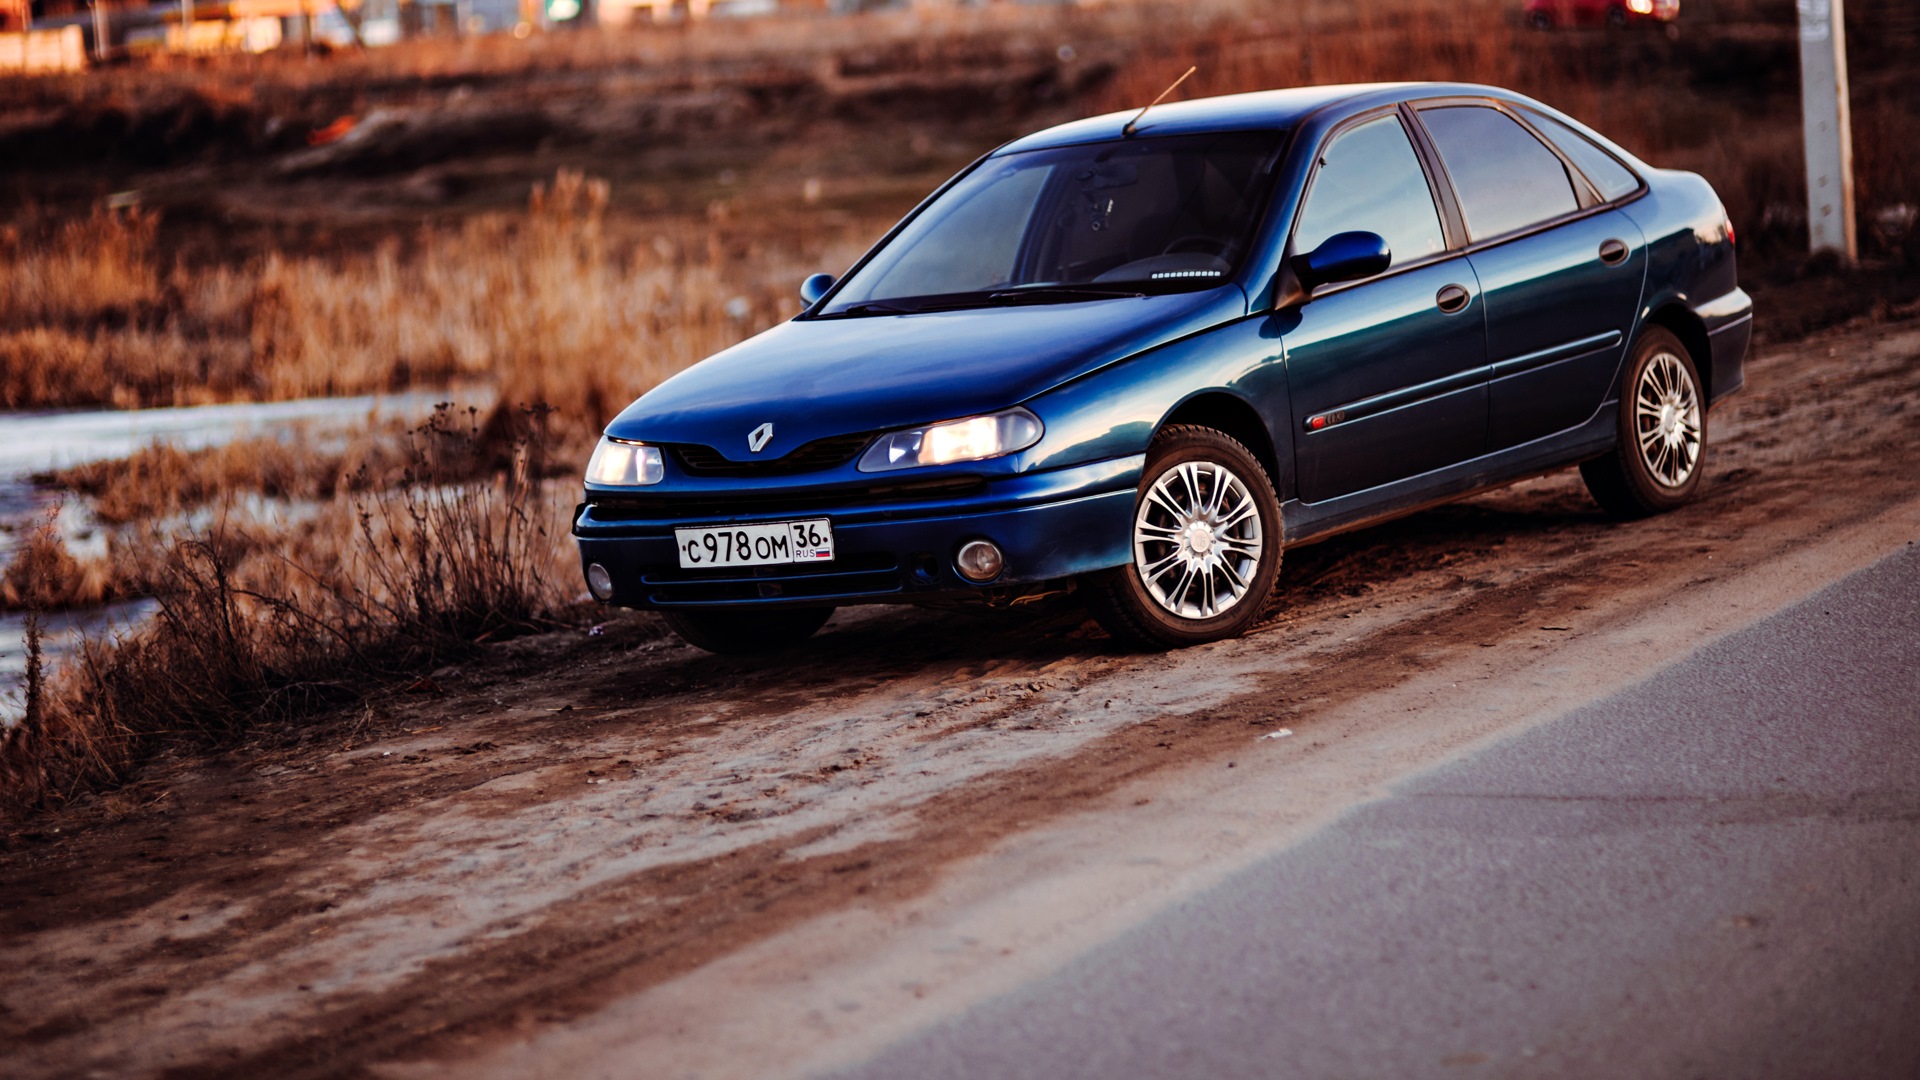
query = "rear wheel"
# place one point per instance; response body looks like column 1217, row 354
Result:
column 733, row 633
column 1660, row 456
column 1206, row 545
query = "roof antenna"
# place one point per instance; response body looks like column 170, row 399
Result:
column 1127, row 131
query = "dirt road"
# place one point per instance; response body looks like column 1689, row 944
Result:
column 611, row 854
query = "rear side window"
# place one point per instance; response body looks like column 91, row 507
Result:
column 1506, row 178
column 1613, row 179
column 1370, row 181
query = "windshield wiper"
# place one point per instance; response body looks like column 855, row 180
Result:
column 1045, row 293
column 918, row 307
column 875, row 308
column 1037, row 294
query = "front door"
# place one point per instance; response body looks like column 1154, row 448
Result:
column 1387, row 376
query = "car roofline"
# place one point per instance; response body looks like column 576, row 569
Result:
column 1261, row 110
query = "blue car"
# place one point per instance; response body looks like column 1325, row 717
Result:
column 1135, row 357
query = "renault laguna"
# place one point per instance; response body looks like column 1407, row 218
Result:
column 1135, row 357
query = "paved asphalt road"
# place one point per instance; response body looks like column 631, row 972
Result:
column 1715, row 874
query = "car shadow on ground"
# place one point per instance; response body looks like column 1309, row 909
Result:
column 1463, row 542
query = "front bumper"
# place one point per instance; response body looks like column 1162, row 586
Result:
column 891, row 545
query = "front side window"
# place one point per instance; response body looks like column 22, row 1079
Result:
column 1506, row 179
column 1138, row 215
column 1370, row 181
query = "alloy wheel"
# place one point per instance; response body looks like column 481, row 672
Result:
column 1197, row 540
column 1666, row 411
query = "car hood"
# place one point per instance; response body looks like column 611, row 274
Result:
column 813, row 378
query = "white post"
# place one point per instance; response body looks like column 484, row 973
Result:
column 99, row 30
column 1829, row 127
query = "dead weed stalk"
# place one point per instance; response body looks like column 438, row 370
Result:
column 247, row 634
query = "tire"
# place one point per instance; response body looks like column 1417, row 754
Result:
column 1661, row 453
column 1158, row 600
column 1616, row 16
column 738, row 633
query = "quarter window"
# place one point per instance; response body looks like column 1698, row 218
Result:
column 1506, row 178
column 1370, row 181
column 1613, row 179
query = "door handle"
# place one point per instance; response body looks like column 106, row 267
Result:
column 1613, row 252
column 1452, row 298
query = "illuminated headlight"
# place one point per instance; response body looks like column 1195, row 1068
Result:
column 971, row 439
column 625, row 464
column 1640, row 7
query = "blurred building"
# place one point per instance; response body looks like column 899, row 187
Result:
column 65, row 35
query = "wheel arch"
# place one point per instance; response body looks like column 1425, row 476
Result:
column 1680, row 320
column 1230, row 415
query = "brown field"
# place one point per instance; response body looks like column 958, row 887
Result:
column 574, row 218
column 568, row 220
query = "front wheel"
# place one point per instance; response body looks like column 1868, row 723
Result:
column 1660, row 456
column 735, row 632
column 1206, row 545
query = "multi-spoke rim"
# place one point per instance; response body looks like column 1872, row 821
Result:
column 1666, row 417
column 1197, row 540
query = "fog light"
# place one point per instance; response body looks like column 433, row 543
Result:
column 600, row 582
column 980, row 561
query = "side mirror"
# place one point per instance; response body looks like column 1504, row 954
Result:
column 1346, row 256
column 815, row 287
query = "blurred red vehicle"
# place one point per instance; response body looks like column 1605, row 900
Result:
column 1550, row 13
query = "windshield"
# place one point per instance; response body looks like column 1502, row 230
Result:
column 1076, row 222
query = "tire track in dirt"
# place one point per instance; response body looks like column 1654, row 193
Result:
column 577, row 962
column 853, row 715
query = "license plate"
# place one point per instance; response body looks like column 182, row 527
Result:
column 756, row 545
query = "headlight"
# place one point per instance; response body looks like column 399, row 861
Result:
column 971, row 439
column 625, row 464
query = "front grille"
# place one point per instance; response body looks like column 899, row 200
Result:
column 849, row 575
column 654, row 507
column 816, row 456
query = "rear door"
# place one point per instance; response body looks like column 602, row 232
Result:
column 1387, row 375
column 1562, row 272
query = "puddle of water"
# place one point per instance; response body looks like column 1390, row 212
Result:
column 33, row 442
column 37, row 442
column 61, row 634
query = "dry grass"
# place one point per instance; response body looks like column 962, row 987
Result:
column 542, row 305
column 163, row 481
column 44, row 576
column 249, row 632
column 139, row 502
column 97, row 268
column 563, row 305
column 583, row 298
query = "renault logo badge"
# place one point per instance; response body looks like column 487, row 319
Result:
column 761, row 436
